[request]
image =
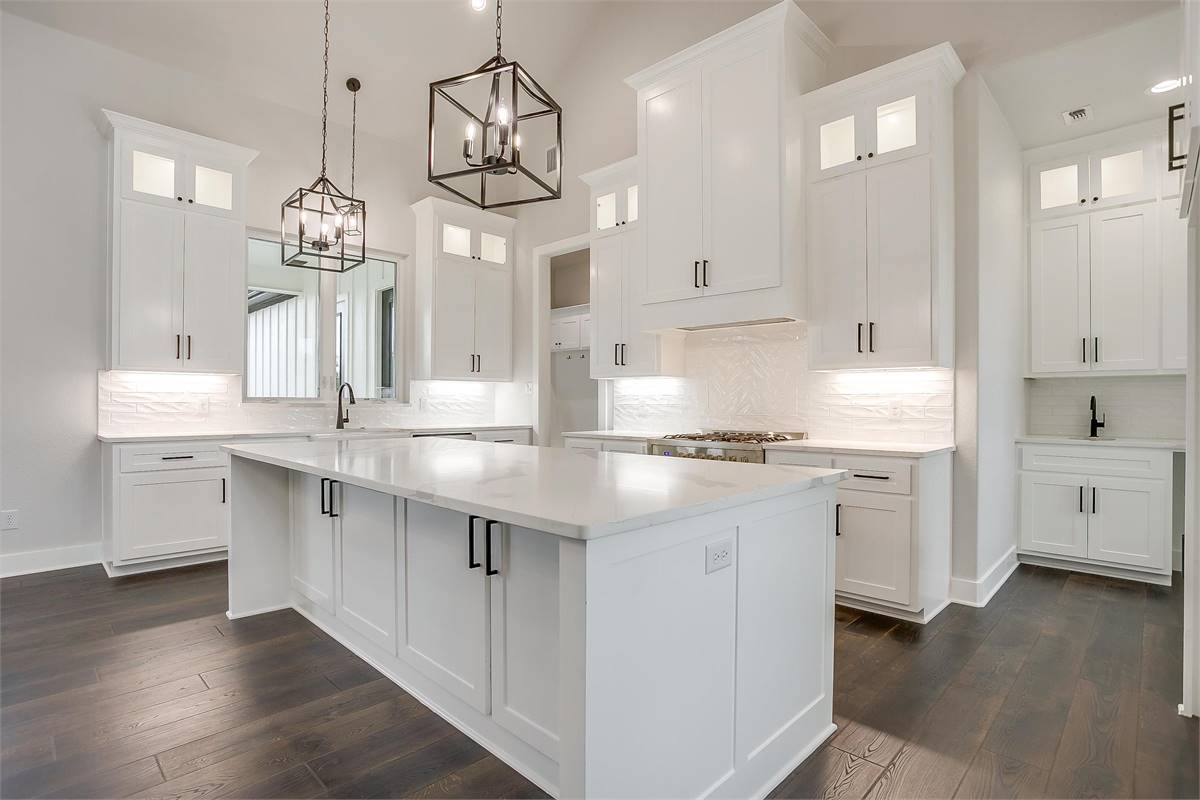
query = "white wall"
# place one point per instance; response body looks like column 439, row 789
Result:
column 989, row 390
column 53, row 156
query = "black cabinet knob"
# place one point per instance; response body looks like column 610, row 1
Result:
column 1095, row 199
column 180, row 199
column 870, row 155
column 858, row 158
column 190, row 200
column 1082, row 200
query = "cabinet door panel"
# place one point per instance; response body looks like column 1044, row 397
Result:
column 1174, row 287
column 742, row 168
column 525, row 637
column 898, row 122
column 607, row 264
column 1128, row 522
column 1123, row 174
column 899, row 264
column 453, row 318
column 1059, row 295
column 837, row 263
column 838, row 141
column 493, row 323
column 670, row 153
column 214, row 293
column 874, row 550
column 444, row 629
column 640, row 355
column 1058, row 187
column 214, row 187
column 1053, row 514
column 152, row 170
column 176, row 512
column 149, row 287
column 312, row 540
column 367, row 544
column 619, row 446
column 1125, row 288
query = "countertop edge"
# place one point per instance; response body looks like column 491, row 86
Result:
column 898, row 450
column 121, row 438
column 582, row 532
column 1177, row 445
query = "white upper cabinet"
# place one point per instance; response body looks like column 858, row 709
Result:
column 719, row 164
column 1107, row 283
column 1101, row 178
column 615, row 201
column 178, row 249
column 880, row 216
column 464, row 293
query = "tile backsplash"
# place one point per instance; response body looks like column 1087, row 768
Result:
column 149, row 402
column 1146, row 407
column 757, row 378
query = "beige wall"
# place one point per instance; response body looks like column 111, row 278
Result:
column 569, row 274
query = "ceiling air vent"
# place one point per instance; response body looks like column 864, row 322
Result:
column 1077, row 115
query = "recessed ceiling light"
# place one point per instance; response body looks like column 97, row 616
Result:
column 1165, row 86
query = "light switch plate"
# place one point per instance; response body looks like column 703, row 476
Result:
column 718, row 555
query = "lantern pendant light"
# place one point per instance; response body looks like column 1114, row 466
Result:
column 354, row 217
column 313, row 220
column 496, row 123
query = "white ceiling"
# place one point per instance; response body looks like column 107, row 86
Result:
column 272, row 49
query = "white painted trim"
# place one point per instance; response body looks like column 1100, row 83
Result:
column 115, row 120
column 1070, row 565
column 257, row 611
column 159, row 564
column 941, row 56
column 31, row 561
column 919, row 617
column 979, row 592
column 1176, row 560
column 602, row 175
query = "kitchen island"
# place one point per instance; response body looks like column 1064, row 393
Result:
column 609, row 624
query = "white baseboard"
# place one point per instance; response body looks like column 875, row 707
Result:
column 977, row 593
column 30, row 561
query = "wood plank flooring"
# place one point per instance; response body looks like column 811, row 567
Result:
column 1065, row 685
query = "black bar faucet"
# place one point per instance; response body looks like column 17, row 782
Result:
column 343, row 416
column 1097, row 424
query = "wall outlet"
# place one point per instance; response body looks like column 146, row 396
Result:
column 718, row 555
column 9, row 520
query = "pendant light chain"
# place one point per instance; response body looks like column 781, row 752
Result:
column 325, row 95
column 499, row 11
column 353, row 137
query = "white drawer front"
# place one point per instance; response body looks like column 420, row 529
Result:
column 507, row 436
column 890, row 475
column 1097, row 460
column 172, row 455
column 800, row 459
column 582, row 445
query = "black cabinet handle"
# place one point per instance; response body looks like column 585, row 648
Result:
column 177, row 352
column 176, row 458
column 871, row 337
column 1083, row 342
column 696, row 274
column 1096, row 350
column 487, row 548
column 1093, row 499
column 873, row 477
column 623, row 364
column 616, row 356
column 222, row 490
column 478, row 363
column 324, row 481
column 860, row 337
column 189, row 338
column 331, row 483
column 471, row 562
column 705, row 272
column 1080, row 499
column 837, row 520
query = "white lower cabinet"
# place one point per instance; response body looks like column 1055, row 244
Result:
column 587, row 445
column 173, row 512
column 892, row 525
column 874, row 545
column 1103, row 509
column 313, row 539
column 583, row 445
column 366, row 591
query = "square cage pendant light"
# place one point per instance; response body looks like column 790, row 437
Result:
column 315, row 229
column 495, row 135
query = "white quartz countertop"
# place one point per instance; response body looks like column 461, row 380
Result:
column 807, row 445
column 898, row 449
column 573, row 494
column 348, row 432
column 1116, row 441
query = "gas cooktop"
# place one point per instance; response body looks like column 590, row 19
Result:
column 737, row 437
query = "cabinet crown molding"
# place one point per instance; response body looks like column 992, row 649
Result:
column 117, row 121
column 437, row 204
column 784, row 14
column 618, row 169
column 941, row 58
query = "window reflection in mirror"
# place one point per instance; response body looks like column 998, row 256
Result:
column 282, row 326
column 365, row 329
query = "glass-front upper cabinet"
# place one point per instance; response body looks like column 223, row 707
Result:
column 474, row 242
column 162, row 172
column 1101, row 178
column 885, row 126
column 367, row 342
column 282, row 326
column 614, row 195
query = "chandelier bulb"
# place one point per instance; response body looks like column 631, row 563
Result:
column 478, row 5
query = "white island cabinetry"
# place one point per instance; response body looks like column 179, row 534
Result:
column 507, row 587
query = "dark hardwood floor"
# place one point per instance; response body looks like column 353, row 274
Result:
column 1065, row 685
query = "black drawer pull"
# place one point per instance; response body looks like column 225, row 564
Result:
column 1093, row 499
column 873, row 477
column 324, row 510
column 487, row 548
column 471, row 562
column 222, row 490
column 1080, row 499
column 837, row 520
column 331, row 483
column 177, row 458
